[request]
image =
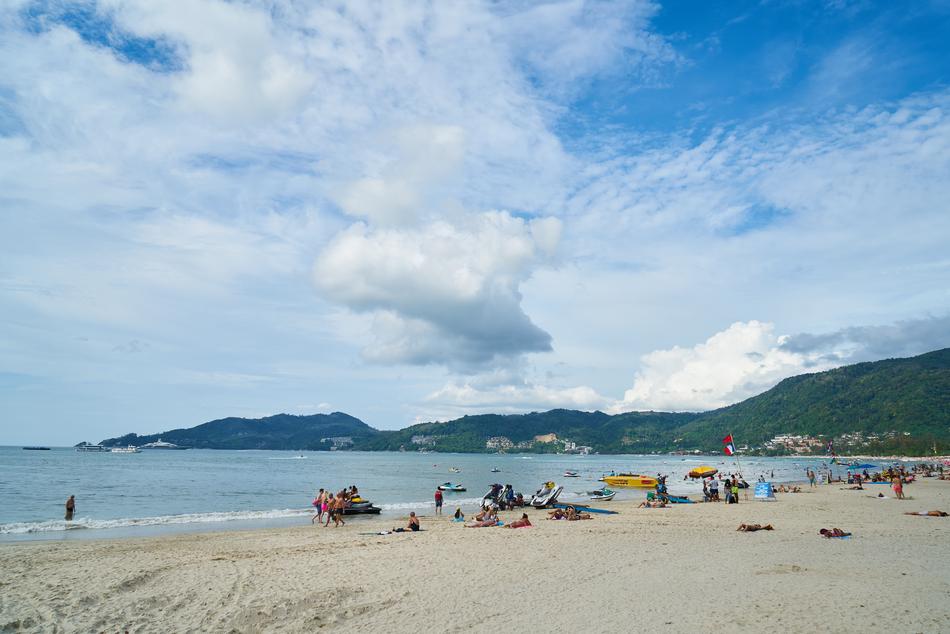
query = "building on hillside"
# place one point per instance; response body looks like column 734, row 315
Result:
column 423, row 440
column 545, row 438
column 338, row 442
column 498, row 443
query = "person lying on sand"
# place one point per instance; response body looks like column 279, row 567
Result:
column 928, row 513
column 833, row 532
column 573, row 516
column 491, row 521
column 557, row 514
column 856, row 487
column 652, row 504
column 751, row 528
column 524, row 522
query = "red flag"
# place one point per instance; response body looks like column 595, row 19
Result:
column 729, row 448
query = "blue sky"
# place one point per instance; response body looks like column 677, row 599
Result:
column 411, row 212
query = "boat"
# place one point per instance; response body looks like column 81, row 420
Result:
column 546, row 495
column 495, row 470
column 704, row 471
column 160, row 444
column 630, row 480
column 448, row 486
column 36, row 448
column 454, row 470
column 604, row 494
column 86, row 447
column 571, row 474
column 129, row 449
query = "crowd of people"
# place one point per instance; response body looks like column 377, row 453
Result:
column 332, row 505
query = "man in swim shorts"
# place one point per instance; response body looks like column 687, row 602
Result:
column 70, row 508
column 438, row 502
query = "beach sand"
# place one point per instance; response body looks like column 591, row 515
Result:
column 674, row 570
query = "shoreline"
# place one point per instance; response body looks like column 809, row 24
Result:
column 656, row 568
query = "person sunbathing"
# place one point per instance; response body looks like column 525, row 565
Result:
column 524, row 522
column 557, row 514
column 652, row 504
column 751, row 528
column 833, row 532
column 928, row 513
column 490, row 520
column 573, row 516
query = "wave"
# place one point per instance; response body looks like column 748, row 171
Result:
column 50, row 526
column 21, row 528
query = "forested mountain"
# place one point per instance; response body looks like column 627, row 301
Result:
column 283, row 431
column 891, row 405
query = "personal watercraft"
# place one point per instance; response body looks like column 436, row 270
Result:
column 546, row 495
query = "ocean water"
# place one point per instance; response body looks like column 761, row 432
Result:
column 166, row 491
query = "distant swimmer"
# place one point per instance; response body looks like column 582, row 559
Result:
column 70, row 508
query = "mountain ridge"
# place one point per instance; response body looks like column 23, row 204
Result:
column 901, row 404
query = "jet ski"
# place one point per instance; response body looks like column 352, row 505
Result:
column 602, row 494
column 361, row 507
column 448, row 486
column 495, row 470
column 571, row 474
column 546, row 495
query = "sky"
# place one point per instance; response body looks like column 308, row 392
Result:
column 413, row 211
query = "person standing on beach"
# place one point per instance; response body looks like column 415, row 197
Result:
column 70, row 508
column 734, row 490
column 338, row 511
column 330, row 503
column 318, row 504
column 811, row 477
column 898, row 487
column 438, row 502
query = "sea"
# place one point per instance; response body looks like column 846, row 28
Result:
column 167, row 491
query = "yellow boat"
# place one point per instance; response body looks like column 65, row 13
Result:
column 703, row 472
column 630, row 480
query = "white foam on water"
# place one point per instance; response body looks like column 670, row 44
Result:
column 21, row 528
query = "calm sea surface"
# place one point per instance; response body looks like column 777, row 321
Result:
column 165, row 491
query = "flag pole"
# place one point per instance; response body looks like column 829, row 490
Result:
column 736, row 445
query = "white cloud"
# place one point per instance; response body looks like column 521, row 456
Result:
column 443, row 292
column 741, row 361
column 457, row 399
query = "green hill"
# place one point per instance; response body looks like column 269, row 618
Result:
column 283, row 431
column 895, row 405
column 895, row 395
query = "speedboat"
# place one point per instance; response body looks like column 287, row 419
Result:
column 602, row 494
column 495, row 470
column 571, row 474
column 454, row 470
column 630, row 480
column 546, row 495
column 448, row 486
column 129, row 449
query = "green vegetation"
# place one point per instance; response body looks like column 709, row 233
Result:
column 903, row 403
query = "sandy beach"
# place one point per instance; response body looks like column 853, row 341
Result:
column 678, row 569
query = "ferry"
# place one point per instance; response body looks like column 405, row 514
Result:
column 92, row 448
